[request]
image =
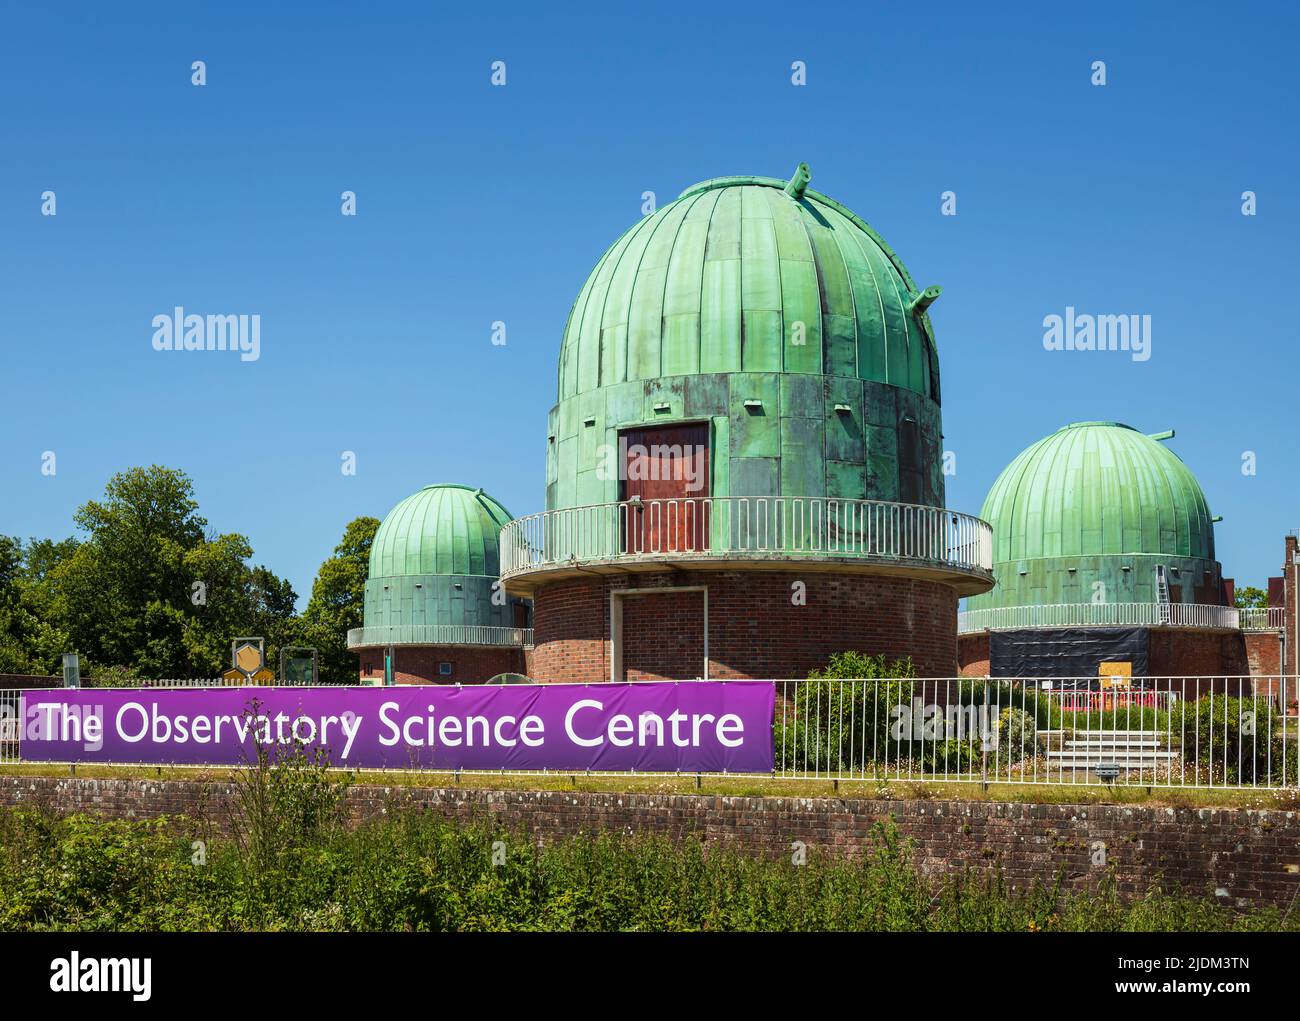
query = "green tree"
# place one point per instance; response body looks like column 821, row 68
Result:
column 1248, row 596
column 30, row 640
column 337, row 601
column 14, row 625
column 150, row 590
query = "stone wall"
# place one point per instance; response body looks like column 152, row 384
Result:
column 1245, row 857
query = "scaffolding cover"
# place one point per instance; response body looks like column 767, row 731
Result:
column 1066, row 652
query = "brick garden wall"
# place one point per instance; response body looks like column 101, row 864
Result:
column 1248, row 857
column 755, row 630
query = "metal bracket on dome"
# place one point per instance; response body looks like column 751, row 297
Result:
column 1168, row 434
column 924, row 300
column 799, row 183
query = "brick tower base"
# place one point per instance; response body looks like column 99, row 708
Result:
column 761, row 624
column 420, row 664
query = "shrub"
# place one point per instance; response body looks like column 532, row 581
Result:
column 839, row 724
column 1017, row 736
column 1235, row 740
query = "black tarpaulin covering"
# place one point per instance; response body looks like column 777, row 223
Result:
column 1066, row 652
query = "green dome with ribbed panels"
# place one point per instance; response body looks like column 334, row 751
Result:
column 717, row 280
column 775, row 319
column 435, row 560
column 443, row 529
column 1099, row 501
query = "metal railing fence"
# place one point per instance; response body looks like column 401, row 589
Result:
column 1195, row 732
column 1192, row 615
column 1162, row 732
column 1263, row 618
column 718, row 527
column 439, row 634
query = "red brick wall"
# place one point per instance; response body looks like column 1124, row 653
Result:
column 571, row 631
column 1252, row 856
column 973, row 654
column 1289, row 568
column 418, row 664
column 755, row 630
column 32, row 681
column 1264, row 652
column 663, row 636
column 1178, row 652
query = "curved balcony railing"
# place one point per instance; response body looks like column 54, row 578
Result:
column 1190, row 615
column 747, row 527
column 438, row 634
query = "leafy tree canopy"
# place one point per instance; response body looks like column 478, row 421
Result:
column 1249, row 596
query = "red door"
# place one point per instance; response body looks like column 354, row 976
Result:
column 665, row 486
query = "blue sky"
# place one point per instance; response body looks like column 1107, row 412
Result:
column 478, row 204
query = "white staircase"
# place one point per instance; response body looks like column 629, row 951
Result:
column 1126, row 749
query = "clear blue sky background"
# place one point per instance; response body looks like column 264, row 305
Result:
column 479, row 204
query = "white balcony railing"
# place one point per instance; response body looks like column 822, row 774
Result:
column 747, row 527
column 438, row 634
column 1191, row 615
column 1263, row 618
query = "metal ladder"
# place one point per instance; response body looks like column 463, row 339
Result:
column 1162, row 593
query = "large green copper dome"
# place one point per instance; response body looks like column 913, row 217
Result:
column 741, row 274
column 765, row 321
column 1099, row 502
column 435, row 560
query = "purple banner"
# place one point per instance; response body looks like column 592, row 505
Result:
column 692, row 726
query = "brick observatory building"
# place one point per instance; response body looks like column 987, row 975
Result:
column 1103, row 550
column 435, row 612
column 744, row 462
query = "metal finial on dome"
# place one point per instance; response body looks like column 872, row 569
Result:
column 799, row 183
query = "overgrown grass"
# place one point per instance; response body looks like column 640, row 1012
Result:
column 291, row 865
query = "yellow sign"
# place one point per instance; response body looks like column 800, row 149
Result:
column 248, row 664
column 248, row 658
column 261, row 677
column 1117, row 674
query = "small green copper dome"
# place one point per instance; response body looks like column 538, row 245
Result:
column 444, row 529
column 1093, row 513
column 435, row 561
column 1098, row 487
column 749, row 274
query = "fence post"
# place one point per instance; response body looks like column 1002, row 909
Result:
column 984, row 742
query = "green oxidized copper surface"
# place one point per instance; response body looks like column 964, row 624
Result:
column 779, row 318
column 717, row 280
column 435, row 559
column 1098, row 502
